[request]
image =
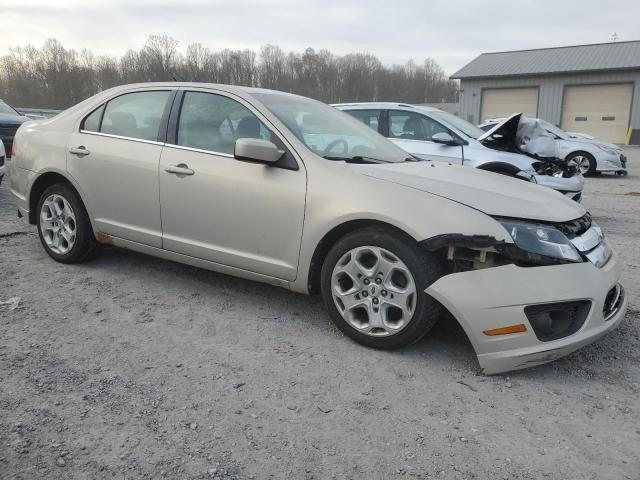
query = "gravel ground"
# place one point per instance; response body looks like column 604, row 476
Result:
column 134, row 367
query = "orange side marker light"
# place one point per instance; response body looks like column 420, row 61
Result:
column 519, row 328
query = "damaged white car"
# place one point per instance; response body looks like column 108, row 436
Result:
column 590, row 155
column 433, row 134
column 286, row 190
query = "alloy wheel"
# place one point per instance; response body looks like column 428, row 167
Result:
column 373, row 290
column 58, row 224
column 582, row 163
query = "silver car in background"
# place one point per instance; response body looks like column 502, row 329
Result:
column 433, row 134
column 289, row 191
column 589, row 154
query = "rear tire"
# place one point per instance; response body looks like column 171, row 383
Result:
column 373, row 283
column 585, row 162
column 63, row 225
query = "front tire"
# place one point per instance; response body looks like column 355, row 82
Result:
column 63, row 225
column 373, row 284
column 585, row 162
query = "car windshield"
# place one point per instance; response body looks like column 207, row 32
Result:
column 4, row 108
column 469, row 129
column 330, row 133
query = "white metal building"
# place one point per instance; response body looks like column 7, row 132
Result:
column 593, row 89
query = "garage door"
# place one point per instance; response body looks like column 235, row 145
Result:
column 502, row 102
column 599, row 110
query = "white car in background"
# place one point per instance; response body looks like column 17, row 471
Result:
column 589, row 154
column 432, row 134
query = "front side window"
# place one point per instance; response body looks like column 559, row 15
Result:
column 412, row 126
column 469, row 129
column 214, row 122
column 133, row 115
column 371, row 118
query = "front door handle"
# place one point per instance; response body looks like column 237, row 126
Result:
column 180, row 169
column 80, row 151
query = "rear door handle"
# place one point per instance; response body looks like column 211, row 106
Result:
column 180, row 169
column 80, row 151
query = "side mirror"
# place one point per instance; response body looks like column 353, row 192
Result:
column 257, row 150
column 444, row 138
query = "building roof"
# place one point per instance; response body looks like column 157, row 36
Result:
column 578, row 58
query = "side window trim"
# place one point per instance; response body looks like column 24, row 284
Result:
column 163, row 130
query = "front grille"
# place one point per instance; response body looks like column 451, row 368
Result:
column 552, row 321
column 613, row 301
column 575, row 228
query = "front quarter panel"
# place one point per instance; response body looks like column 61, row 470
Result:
column 337, row 194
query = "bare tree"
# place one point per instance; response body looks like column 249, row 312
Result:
column 55, row 77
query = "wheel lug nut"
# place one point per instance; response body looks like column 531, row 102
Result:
column 365, row 294
column 375, row 300
column 366, row 281
column 383, row 293
column 378, row 281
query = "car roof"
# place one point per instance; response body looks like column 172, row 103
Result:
column 237, row 89
column 369, row 105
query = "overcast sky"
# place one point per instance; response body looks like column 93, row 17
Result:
column 452, row 32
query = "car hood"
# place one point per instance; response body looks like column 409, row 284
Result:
column 491, row 193
column 580, row 136
column 7, row 119
column 594, row 141
column 507, row 128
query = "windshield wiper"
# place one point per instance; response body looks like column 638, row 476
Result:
column 355, row 159
column 364, row 159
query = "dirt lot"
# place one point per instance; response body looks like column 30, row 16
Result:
column 133, row 367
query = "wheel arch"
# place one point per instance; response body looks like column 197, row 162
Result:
column 44, row 181
column 335, row 234
column 579, row 152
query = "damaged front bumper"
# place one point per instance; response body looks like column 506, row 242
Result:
column 571, row 187
column 495, row 298
column 611, row 162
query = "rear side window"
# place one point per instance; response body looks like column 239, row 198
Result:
column 213, row 122
column 371, row 118
column 92, row 122
column 133, row 115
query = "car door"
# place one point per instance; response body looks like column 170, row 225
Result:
column 412, row 132
column 114, row 158
column 214, row 207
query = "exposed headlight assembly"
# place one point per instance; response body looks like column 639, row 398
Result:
column 538, row 244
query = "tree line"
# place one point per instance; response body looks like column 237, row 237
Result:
column 56, row 77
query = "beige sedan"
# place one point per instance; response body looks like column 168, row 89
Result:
column 286, row 190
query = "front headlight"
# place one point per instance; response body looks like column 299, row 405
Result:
column 539, row 243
